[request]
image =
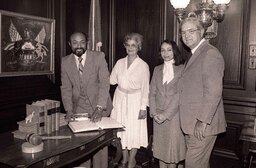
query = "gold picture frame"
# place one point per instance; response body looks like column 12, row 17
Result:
column 27, row 44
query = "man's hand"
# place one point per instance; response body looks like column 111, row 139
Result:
column 69, row 116
column 159, row 118
column 97, row 114
column 142, row 114
column 200, row 130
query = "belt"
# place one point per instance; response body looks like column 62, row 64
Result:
column 128, row 91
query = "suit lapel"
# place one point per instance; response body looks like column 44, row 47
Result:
column 73, row 69
column 87, row 68
column 195, row 55
column 160, row 76
column 176, row 73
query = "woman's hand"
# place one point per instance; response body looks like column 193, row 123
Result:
column 142, row 114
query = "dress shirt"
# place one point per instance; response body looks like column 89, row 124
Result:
column 83, row 60
column 194, row 49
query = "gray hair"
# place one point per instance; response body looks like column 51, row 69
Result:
column 193, row 19
column 138, row 38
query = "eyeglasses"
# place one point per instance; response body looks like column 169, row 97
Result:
column 132, row 45
column 189, row 31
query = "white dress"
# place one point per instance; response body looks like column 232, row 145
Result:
column 131, row 96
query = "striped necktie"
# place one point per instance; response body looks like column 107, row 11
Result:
column 80, row 66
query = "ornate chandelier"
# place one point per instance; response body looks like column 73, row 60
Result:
column 209, row 13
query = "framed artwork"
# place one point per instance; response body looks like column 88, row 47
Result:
column 27, row 44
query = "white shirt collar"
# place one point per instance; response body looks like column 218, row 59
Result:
column 169, row 62
column 194, row 49
column 83, row 56
column 83, row 61
column 168, row 73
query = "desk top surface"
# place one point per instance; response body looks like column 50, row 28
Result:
column 11, row 152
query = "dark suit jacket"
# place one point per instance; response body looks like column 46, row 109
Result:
column 164, row 99
column 200, row 89
column 95, row 79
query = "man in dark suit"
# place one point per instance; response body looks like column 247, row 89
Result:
column 200, row 87
column 85, row 84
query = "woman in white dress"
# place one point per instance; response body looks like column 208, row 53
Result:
column 131, row 74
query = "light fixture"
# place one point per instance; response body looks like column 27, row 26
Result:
column 208, row 11
column 179, row 6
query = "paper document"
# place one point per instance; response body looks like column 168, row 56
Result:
column 87, row 125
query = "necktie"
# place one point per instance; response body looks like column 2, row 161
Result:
column 80, row 67
column 188, row 57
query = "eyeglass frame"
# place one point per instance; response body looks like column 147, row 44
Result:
column 189, row 31
column 133, row 45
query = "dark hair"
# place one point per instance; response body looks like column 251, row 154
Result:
column 81, row 33
column 178, row 59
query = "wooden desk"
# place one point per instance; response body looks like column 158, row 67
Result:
column 57, row 153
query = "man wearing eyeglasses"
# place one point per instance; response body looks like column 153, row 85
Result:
column 200, row 87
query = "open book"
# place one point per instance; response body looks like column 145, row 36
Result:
column 87, row 125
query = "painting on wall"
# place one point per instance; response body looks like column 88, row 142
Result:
column 27, row 44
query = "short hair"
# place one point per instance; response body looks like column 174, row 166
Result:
column 178, row 59
column 81, row 33
column 192, row 18
column 138, row 38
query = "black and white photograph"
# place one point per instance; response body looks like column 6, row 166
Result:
column 127, row 84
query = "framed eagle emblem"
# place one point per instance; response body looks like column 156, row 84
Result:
column 27, row 44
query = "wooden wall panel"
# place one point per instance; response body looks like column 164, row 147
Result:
column 228, row 144
column 141, row 17
column 168, row 21
column 16, row 91
column 77, row 19
column 30, row 7
column 232, row 41
column 77, row 16
column 105, row 22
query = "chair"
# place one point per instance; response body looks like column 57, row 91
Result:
column 251, row 153
column 248, row 134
